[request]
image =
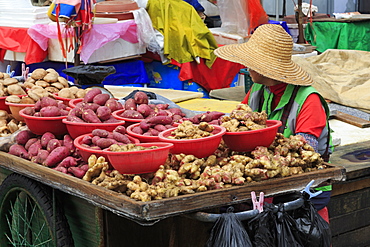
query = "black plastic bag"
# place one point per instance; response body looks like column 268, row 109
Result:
column 228, row 231
column 287, row 233
column 261, row 228
column 313, row 229
column 89, row 74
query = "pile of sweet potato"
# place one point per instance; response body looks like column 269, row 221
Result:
column 57, row 152
column 155, row 117
column 47, row 107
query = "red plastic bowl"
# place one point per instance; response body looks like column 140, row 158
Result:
column 129, row 121
column 246, row 141
column 3, row 106
column 86, row 152
column 138, row 162
column 15, row 108
column 41, row 125
column 200, row 147
column 76, row 129
column 73, row 102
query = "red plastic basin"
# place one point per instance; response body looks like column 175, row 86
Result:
column 200, row 147
column 138, row 162
column 246, row 141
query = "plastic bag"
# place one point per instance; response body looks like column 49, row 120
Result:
column 287, row 234
column 228, row 231
column 89, row 74
column 234, row 16
column 313, row 229
column 261, row 228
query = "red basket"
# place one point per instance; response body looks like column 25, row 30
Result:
column 86, row 152
column 138, row 162
column 200, row 147
column 246, row 141
column 41, row 125
column 16, row 107
column 76, row 129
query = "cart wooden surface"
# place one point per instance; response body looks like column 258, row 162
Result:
column 145, row 212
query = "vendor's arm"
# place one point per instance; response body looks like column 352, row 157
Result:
column 311, row 120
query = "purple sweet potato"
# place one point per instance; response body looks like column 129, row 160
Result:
column 56, row 156
column 77, row 171
column 63, row 112
column 37, row 114
column 103, row 113
column 141, row 98
column 90, row 117
column 105, row 142
column 111, row 120
column 160, row 127
column 89, row 96
column 50, row 111
column 162, row 113
column 30, row 142
column 121, row 138
column 45, row 138
column 176, row 118
column 216, row 115
column 68, row 162
column 162, row 106
column 47, row 101
column 40, row 157
column 23, row 136
column 77, row 111
column 113, row 104
column 120, row 129
column 100, row 132
column 101, row 99
column 145, row 124
column 130, row 104
column 176, row 111
column 18, row 150
column 160, row 120
column 132, row 114
column 62, row 106
column 153, row 132
column 74, row 119
column 137, row 130
column 91, row 106
column 37, row 105
column 34, row 148
column 144, row 110
column 95, row 139
column 206, row 117
column 68, row 142
column 53, row 144
column 30, row 111
column 61, row 169
column 86, row 140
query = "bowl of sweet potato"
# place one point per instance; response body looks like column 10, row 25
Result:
column 46, row 116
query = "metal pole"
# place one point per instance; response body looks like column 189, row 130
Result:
column 277, row 9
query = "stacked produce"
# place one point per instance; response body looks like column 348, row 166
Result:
column 8, row 125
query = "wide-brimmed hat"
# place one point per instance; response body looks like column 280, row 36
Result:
column 269, row 53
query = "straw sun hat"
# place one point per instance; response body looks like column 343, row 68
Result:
column 269, row 53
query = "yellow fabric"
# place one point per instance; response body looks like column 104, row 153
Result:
column 202, row 104
column 185, row 34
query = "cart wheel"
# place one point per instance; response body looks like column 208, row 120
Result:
column 27, row 215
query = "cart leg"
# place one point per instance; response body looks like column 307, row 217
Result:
column 28, row 215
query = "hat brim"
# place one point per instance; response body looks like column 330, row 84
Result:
column 269, row 66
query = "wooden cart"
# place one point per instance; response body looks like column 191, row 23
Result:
column 100, row 217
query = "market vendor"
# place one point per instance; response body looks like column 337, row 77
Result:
column 283, row 89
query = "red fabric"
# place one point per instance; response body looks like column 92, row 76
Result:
column 257, row 15
column 17, row 40
column 324, row 213
column 219, row 76
column 311, row 107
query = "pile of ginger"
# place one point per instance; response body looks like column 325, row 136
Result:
column 186, row 174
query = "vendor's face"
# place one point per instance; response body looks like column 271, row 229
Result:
column 260, row 79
